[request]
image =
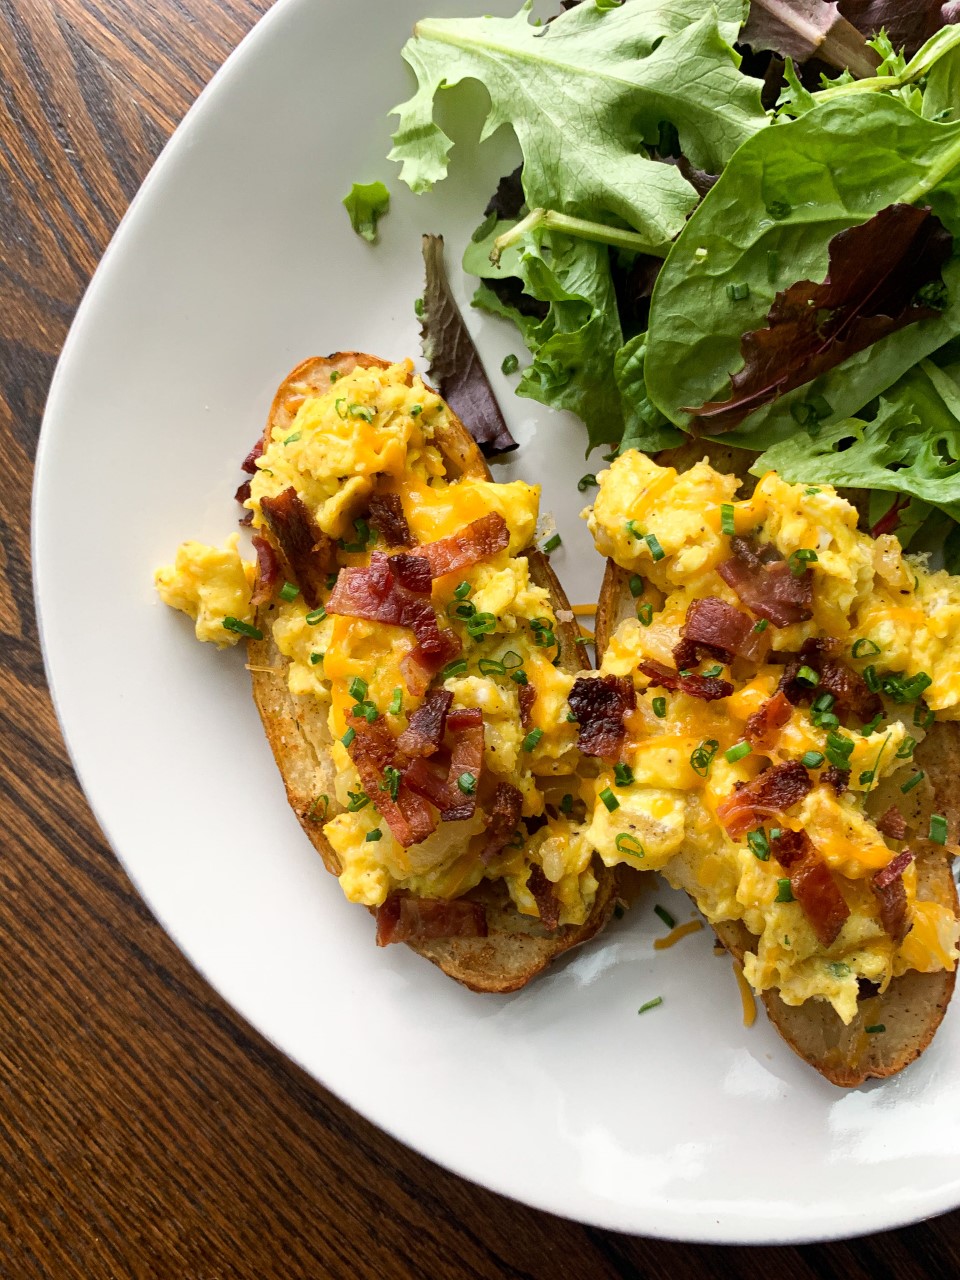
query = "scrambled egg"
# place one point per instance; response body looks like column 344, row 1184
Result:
column 895, row 622
column 213, row 586
column 377, row 430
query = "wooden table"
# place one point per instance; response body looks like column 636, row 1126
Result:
column 145, row 1129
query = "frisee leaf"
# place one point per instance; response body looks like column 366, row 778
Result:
column 454, row 364
column 802, row 29
column 610, row 78
column 366, row 204
column 881, row 277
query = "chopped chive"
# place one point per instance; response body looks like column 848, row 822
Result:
column 665, row 916
column 358, row 801
column 357, row 689
column 316, row 615
column 938, row 829
column 711, row 672
column 334, row 375
column 623, row 775
column 812, row 759
column 871, row 725
column 466, row 609
column 775, row 833
column 609, row 799
column 467, row 782
column 491, row 667
column 727, row 524
column 784, row 892
column 839, row 750
column 761, row 625
column 375, row 834
column 348, row 737
column 312, row 811
column 702, row 757
column 875, row 1029
column 839, row 968
column 511, row 659
column 633, row 529
column 865, row 649
column 316, row 658
column 456, row 668
column 626, row 843
column 738, row 292
column 871, row 678
column 655, row 548
column 551, row 544
column 418, row 308
column 737, row 752
column 660, row 707
column 823, row 702
column 391, row 781
column 242, row 628
column 773, row 266
column 811, row 490
column 331, row 581
column 905, row 750
column 799, row 559
column 912, row 781
column 807, row 675
column 289, row 591
column 292, row 438
column 519, row 677
column 531, row 740
column 510, row 364
column 396, row 702
column 416, row 410
column 922, row 715
column 337, row 404
column 651, row 1004
column 586, row 482
column 645, row 614
column 366, row 710
column 566, row 804
column 636, row 585
column 759, row 844
column 462, row 591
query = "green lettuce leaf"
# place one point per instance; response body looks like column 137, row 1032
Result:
column 610, row 78
column 366, row 204
column 911, row 447
column 768, row 223
column 644, row 426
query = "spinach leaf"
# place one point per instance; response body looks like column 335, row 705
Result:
column 366, row 204
column 767, row 223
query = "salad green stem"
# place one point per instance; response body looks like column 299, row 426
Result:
column 917, row 67
column 598, row 232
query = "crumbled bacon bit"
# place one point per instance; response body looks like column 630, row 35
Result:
column 372, row 750
column 887, row 884
column 419, row 667
column 766, row 584
column 386, row 516
column 707, row 688
column 528, row 696
column 834, row 776
column 309, row 553
column 851, row 696
column 480, row 540
column 436, row 779
column 893, row 824
column 763, row 727
column 713, row 627
column 268, row 572
column 404, row 918
column 812, row 884
column 770, row 795
column 425, row 729
column 599, row 704
column 502, row 820
column 243, row 493
column 544, row 896
column 249, row 464
column 378, row 593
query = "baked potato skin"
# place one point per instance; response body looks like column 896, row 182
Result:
column 517, row 947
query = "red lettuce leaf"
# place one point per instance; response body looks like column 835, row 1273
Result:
column 883, row 275
column 804, row 29
column 908, row 23
column 454, row 365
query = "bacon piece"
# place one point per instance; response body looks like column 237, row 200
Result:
column 887, row 884
column 528, row 696
column 372, row 750
column 544, row 897
column 478, row 541
column 426, row 726
column 249, row 464
column 766, row 584
column 436, row 779
column 309, row 553
column 268, row 572
column 893, row 824
column 707, row 688
column 851, row 695
column 378, row 593
column 419, row 667
column 502, row 820
column 403, row 918
column 834, row 776
column 599, row 704
column 243, row 493
column 763, row 727
column 770, row 795
column 713, row 627
column 812, row 884
column 386, row 516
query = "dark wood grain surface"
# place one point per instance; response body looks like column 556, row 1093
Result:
column 145, row 1129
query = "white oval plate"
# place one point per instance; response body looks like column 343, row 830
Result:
column 236, row 261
